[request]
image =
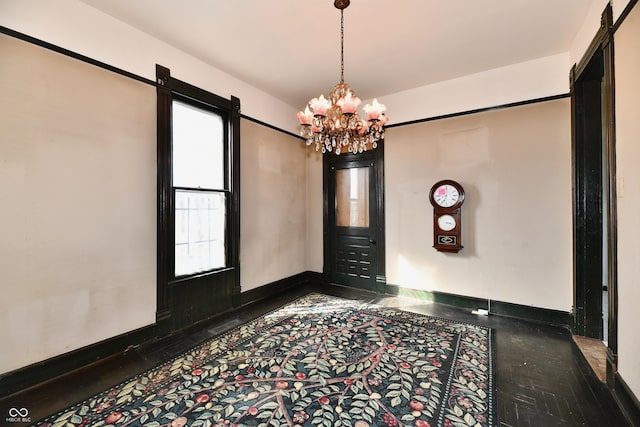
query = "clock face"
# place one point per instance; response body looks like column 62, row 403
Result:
column 446, row 195
column 446, row 222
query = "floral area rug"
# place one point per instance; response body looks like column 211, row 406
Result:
column 319, row 361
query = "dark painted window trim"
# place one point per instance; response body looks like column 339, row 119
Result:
column 168, row 89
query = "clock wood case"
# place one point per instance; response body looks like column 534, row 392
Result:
column 447, row 197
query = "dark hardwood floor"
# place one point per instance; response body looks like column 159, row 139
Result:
column 542, row 378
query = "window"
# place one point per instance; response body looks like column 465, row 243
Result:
column 200, row 189
column 198, row 201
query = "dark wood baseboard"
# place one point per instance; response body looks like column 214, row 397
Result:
column 56, row 366
column 460, row 301
column 46, row 370
column 626, row 400
column 537, row 314
column 500, row 308
column 280, row 286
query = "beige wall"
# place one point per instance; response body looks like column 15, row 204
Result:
column 273, row 206
column 78, row 230
column 78, row 217
column 514, row 165
column 88, row 31
column 627, row 64
column 534, row 79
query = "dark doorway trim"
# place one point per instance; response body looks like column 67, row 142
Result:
column 593, row 196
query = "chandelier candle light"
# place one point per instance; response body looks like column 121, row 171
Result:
column 333, row 124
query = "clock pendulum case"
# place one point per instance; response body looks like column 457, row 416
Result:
column 447, row 197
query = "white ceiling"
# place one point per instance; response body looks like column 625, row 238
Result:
column 291, row 48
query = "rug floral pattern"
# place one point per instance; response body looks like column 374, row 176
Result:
column 320, row 361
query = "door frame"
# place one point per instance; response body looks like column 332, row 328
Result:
column 600, row 49
column 377, row 157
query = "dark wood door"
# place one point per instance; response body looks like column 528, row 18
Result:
column 353, row 219
column 590, row 200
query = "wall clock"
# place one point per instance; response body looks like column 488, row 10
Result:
column 447, row 197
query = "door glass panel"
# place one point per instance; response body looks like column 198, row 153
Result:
column 352, row 197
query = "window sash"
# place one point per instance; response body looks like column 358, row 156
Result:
column 200, row 231
column 199, row 153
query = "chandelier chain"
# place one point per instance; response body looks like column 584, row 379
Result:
column 341, row 45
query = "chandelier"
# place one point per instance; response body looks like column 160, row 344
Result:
column 333, row 124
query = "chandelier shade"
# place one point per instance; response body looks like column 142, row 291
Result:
column 333, row 124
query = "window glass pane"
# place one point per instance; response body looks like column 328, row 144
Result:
column 200, row 231
column 198, row 147
column 352, row 197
